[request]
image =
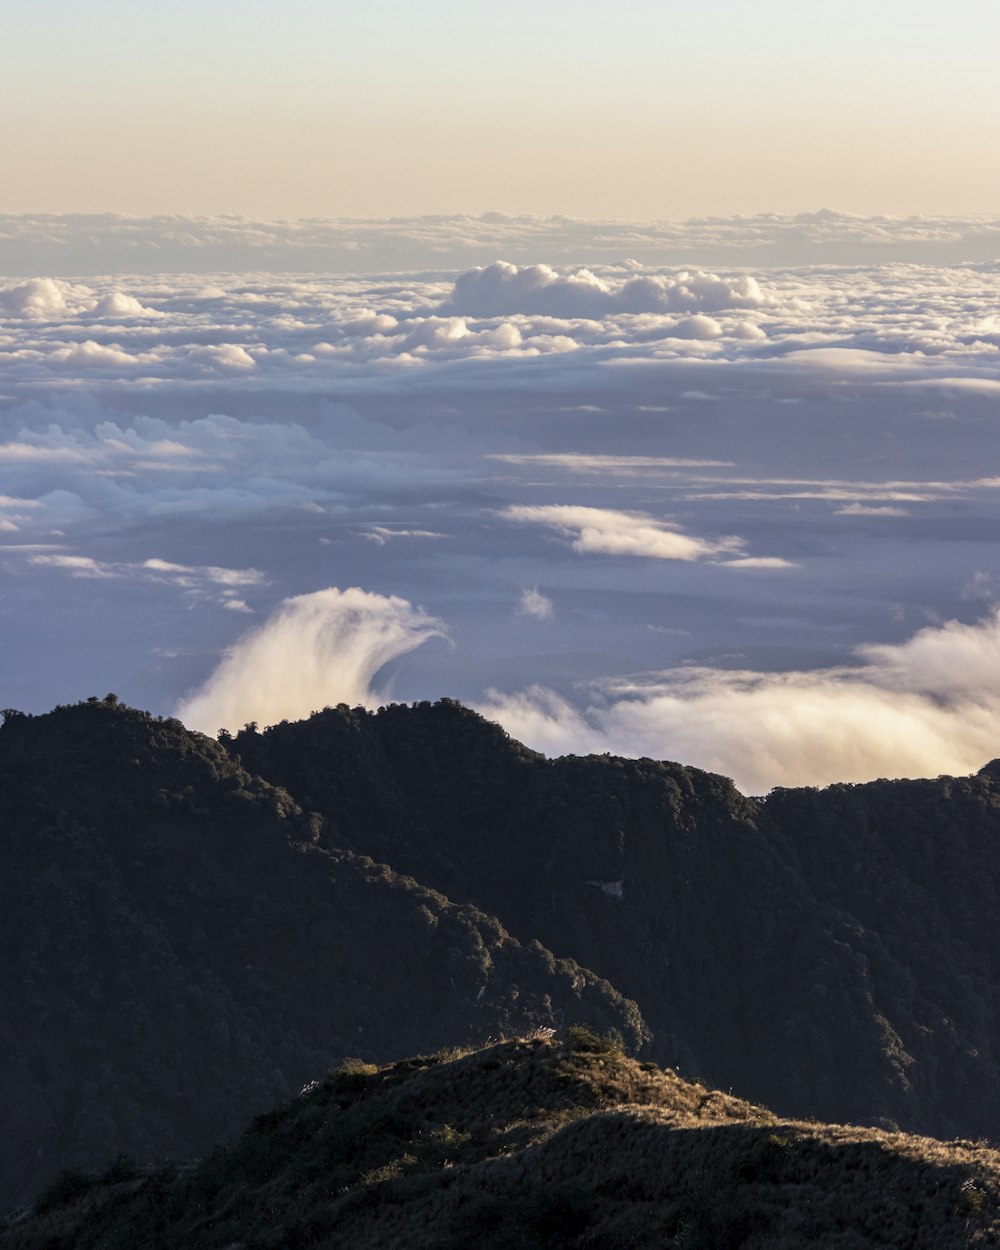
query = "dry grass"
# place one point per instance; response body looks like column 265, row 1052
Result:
column 532, row 1144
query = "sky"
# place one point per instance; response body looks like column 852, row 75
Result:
column 640, row 110
column 631, row 374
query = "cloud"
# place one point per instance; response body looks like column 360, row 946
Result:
column 760, row 562
column 196, row 578
column 927, row 706
column 314, row 651
column 603, row 530
column 47, row 299
column 502, row 289
column 534, row 603
column 580, row 462
column 109, row 243
column 382, row 534
column 863, row 509
column 40, row 297
column 926, row 328
column 76, row 566
column 322, row 429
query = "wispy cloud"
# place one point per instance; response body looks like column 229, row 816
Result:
column 382, row 534
column 199, row 579
column 581, row 462
column 314, row 651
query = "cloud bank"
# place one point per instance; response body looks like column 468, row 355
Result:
column 902, row 325
column 315, row 650
column 927, row 706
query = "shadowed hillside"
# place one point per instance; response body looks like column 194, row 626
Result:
column 178, row 951
column 831, row 953
column 524, row 1146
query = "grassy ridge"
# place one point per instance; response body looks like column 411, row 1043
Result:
column 526, row 1145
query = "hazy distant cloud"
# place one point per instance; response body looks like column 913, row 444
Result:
column 533, row 603
column 200, row 580
column 77, row 566
column 927, row 706
column 108, row 243
column 864, row 509
column 580, row 462
column 902, row 491
column 314, row 651
column 382, row 534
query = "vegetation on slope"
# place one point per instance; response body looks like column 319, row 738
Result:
column 178, row 950
column 528, row 1145
column 830, row 953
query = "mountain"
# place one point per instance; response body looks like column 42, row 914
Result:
column 191, row 930
column 528, row 1145
column 182, row 946
column 830, row 953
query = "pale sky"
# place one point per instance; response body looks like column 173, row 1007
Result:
column 632, row 110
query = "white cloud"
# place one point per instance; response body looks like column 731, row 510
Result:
column 315, row 650
column 47, row 299
column 534, row 603
column 603, row 530
column 927, row 706
column 501, row 289
column 760, row 562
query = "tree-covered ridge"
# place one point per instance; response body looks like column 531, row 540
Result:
column 179, row 949
column 529, row 1145
column 830, row 953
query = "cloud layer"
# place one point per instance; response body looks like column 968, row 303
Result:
column 109, row 243
column 726, row 480
column 914, row 325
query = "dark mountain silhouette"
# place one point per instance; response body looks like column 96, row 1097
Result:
column 191, row 930
column 178, row 950
column 530, row 1145
column 831, row 953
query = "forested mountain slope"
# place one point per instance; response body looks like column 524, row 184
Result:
column 831, row 953
column 531, row 1145
column 178, row 949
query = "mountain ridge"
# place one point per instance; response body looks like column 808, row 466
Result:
column 247, row 911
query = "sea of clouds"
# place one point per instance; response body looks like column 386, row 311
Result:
column 744, row 515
